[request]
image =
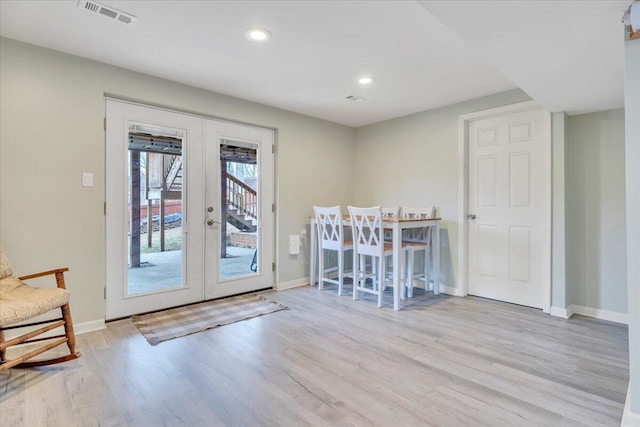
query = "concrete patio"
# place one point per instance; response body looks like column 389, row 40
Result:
column 163, row 270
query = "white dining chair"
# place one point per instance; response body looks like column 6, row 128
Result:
column 389, row 212
column 417, row 241
column 331, row 238
column 369, row 245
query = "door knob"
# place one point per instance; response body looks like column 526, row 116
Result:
column 211, row 222
column 471, row 216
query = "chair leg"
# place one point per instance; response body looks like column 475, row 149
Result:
column 410, row 261
column 3, row 353
column 427, row 285
column 340, row 271
column 356, row 276
column 379, row 276
column 320, row 269
column 68, row 328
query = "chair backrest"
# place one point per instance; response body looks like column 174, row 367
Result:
column 329, row 225
column 391, row 212
column 5, row 266
column 368, row 238
column 410, row 212
column 418, row 234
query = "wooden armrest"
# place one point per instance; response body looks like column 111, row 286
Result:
column 44, row 273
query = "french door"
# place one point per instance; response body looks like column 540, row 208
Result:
column 188, row 212
column 239, row 236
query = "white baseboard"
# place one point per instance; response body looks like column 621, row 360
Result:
column 565, row 313
column 78, row 329
column 304, row 281
column 450, row 290
column 93, row 325
column 611, row 316
column 629, row 419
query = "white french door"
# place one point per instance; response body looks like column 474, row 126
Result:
column 245, row 199
column 509, row 239
column 173, row 183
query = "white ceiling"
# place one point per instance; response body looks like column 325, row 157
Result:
column 422, row 55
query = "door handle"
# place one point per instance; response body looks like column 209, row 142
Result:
column 471, row 216
column 211, row 222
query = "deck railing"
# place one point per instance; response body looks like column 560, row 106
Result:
column 241, row 196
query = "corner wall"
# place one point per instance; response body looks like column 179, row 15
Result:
column 595, row 212
column 51, row 130
column 632, row 145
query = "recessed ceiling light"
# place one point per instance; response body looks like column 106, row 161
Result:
column 257, row 34
column 365, row 80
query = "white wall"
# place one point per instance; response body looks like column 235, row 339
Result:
column 51, row 130
column 632, row 110
column 595, row 208
column 413, row 160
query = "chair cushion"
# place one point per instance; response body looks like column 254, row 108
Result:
column 20, row 302
column 5, row 267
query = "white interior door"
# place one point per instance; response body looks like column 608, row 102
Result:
column 154, row 173
column 509, row 238
column 239, row 233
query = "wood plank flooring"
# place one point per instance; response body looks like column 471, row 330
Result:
column 330, row 361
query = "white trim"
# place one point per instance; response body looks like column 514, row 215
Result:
column 564, row 313
column 611, row 316
column 451, row 290
column 629, row 419
column 597, row 313
column 78, row 329
column 303, row 281
column 463, row 188
column 91, row 326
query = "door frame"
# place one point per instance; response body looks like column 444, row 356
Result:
column 205, row 116
column 463, row 190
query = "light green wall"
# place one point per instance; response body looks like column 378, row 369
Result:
column 413, row 160
column 51, row 130
column 595, row 208
column 632, row 146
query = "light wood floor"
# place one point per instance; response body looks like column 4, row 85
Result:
column 330, row 361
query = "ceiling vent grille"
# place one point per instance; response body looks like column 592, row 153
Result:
column 107, row 11
column 355, row 98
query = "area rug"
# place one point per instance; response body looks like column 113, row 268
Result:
column 178, row 322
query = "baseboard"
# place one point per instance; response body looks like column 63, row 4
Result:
column 565, row 313
column 629, row 419
column 93, row 325
column 304, row 281
column 611, row 316
column 78, row 329
column 450, row 290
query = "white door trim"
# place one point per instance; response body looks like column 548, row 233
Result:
column 463, row 190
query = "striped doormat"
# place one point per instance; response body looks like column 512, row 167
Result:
column 181, row 321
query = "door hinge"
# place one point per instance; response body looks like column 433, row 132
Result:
column 105, row 208
column 273, row 266
column 273, row 149
column 104, row 123
column 273, row 207
column 105, row 292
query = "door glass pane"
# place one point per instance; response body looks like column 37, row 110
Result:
column 239, row 209
column 155, row 209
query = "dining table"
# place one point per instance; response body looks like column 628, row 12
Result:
column 396, row 225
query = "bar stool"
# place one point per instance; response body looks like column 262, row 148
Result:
column 415, row 241
column 331, row 238
column 368, row 241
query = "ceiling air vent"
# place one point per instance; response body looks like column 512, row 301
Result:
column 354, row 98
column 107, row 11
